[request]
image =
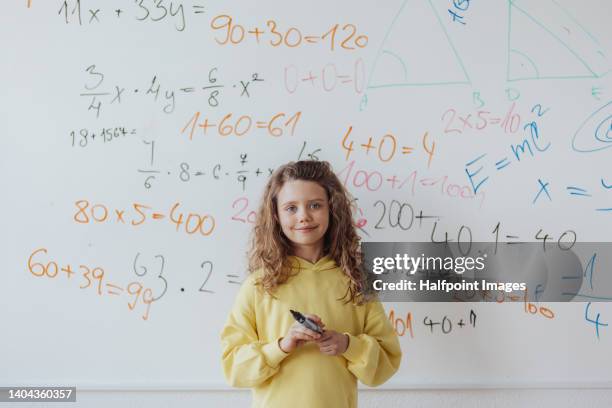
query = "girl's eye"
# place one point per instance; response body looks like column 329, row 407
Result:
column 315, row 205
column 291, row 208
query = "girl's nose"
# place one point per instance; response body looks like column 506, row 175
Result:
column 304, row 215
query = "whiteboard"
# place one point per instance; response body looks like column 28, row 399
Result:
column 138, row 136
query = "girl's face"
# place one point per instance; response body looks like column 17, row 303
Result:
column 303, row 211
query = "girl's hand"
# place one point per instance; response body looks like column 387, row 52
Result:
column 333, row 343
column 298, row 335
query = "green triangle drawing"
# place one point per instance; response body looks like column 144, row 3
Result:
column 535, row 51
column 405, row 59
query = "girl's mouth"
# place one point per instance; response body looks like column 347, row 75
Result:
column 307, row 229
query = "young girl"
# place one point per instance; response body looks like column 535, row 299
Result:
column 305, row 256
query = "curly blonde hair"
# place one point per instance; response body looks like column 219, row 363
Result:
column 270, row 248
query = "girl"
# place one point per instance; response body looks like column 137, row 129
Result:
column 305, row 256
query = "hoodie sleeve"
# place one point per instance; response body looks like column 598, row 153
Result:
column 374, row 356
column 246, row 360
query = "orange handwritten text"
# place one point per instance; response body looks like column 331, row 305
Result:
column 386, row 146
column 344, row 37
column 501, row 297
column 228, row 126
column 401, row 325
column 95, row 278
column 191, row 223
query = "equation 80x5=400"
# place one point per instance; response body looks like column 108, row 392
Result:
column 191, row 223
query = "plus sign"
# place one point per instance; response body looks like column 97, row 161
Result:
column 421, row 217
column 393, row 180
column 205, row 125
column 368, row 146
column 310, row 78
column 256, row 32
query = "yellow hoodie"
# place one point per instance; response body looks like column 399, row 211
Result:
column 306, row 377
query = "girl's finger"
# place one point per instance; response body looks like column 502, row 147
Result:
column 327, row 335
column 325, row 343
column 299, row 327
column 311, row 333
column 303, row 333
column 315, row 319
column 302, row 336
column 296, row 326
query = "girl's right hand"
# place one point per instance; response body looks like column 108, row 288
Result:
column 298, row 335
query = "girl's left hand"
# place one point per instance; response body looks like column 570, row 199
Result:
column 333, row 343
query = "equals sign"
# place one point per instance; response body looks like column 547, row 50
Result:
column 261, row 125
column 200, row 173
column 115, row 287
column 513, row 237
column 198, row 9
column 231, row 279
column 187, row 90
column 578, row 191
column 407, row 150
column 502, row 163
column 345, row 81
column 312, row 39
column 158, row 216
column 494, row 121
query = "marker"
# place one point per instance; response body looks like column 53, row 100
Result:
column 306, row 322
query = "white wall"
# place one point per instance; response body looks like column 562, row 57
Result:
column 99, row 339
